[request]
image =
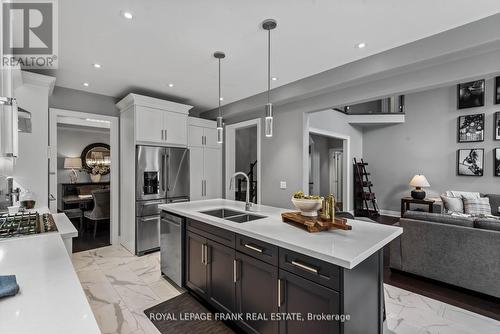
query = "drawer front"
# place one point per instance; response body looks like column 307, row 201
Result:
column 318, row 271
column 257, row 249
column 222, row 236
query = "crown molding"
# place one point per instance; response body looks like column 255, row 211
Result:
column 151, row 102
column 35, row 79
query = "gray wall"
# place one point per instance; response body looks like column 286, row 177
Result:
column 78, row 100
column 427, row 143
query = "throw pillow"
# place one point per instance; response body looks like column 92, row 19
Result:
column 477, row 206
column 462, row 194
column 453, row 204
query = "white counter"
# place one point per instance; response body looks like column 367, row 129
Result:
column 51, row 299
column 344, row 248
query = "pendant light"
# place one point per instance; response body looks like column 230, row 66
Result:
column 220, row 122
column 269, row 25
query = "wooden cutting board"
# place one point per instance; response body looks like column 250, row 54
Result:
column 315, row 224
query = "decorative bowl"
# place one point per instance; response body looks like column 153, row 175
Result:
column 307, row 207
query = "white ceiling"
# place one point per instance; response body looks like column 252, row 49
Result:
column 173, row 41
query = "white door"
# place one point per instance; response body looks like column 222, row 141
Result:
column 213, row 173
column 211, row 138
column 196, row 173
column 149, row 124
column 195, row 136
column 175, row 126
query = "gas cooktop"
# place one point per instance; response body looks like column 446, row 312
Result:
column 20, row 224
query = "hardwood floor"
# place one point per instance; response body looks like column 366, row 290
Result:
column 466, row 299
column 85, row 241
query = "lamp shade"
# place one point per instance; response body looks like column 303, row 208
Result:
column 419, row 180
column 72, row 163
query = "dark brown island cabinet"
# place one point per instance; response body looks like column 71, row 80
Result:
column 276, row 290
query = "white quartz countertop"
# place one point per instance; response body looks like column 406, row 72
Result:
column 344, row 248
column 51, row 299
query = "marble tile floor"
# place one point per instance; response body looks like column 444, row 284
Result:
column 120, row 286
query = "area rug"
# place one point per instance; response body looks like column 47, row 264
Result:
column 185, row 315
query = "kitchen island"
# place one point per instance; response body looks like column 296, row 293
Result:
column 51, row 299
column 332, row 280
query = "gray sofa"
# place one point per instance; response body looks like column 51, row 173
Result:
column 461, row 251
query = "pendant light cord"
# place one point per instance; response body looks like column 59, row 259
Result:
column 268, row 66
column 220, row 111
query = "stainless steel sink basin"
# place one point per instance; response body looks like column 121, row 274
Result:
column 232, row 215
column 222, row 213
column 244, row 218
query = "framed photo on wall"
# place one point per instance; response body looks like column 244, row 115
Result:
column 470, row 162
column 471, row 128
column 471, row 94
column 496, row 160
column 497, row 125
column 497, row 90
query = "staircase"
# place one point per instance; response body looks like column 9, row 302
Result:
column 240, row 194
column 365, row 201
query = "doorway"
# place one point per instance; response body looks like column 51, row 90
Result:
column 243, row 155
column 83, row 175
column 326, row 167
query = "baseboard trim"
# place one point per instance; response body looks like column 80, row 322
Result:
column 391, row 213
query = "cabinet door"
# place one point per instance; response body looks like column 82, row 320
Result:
column 196, row 173
column 148, row 124
column 175, row 126
column 221, row 276
column 213, row 173
column 211, row 138
column 196, row 269
column 195, row 136
column 256, row 292
column 303, row 296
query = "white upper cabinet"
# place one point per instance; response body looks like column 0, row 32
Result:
column 202, row 133
column 157, row 122
column 149, row 124
column 175, row 126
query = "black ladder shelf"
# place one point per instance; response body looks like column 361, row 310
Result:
column 363, row 193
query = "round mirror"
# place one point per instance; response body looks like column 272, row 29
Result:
column 97, row 155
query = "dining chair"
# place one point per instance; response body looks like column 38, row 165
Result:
column 101, row 210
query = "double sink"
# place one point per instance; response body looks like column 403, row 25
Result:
column 232, row 215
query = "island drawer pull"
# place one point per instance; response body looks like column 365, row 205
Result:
column 203, row 254
column 254, row 248
column 305, row 267
column 234, row 270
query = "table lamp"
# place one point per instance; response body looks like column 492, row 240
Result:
column 418, row 182
column 73, row 163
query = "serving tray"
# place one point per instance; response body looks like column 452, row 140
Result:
column 315, row 224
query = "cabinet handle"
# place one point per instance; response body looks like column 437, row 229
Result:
column 257, row 249
column 166, row 135
column 235, row 263
column 206, row 254
column 305, row 267
column 279, row 293
column 203, row 254
column 161, row 134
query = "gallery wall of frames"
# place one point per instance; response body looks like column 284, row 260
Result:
column 471, row 128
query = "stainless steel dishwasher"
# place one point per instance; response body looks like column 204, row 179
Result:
column 171, row 244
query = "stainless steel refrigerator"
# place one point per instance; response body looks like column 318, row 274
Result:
column 162, row 176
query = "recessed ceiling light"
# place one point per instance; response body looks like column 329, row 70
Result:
column 86, row 84
column 221, row 98
column 127, row 15
column 97, row 65
column 274, row 78
column 170, row 85
column 361, row 45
